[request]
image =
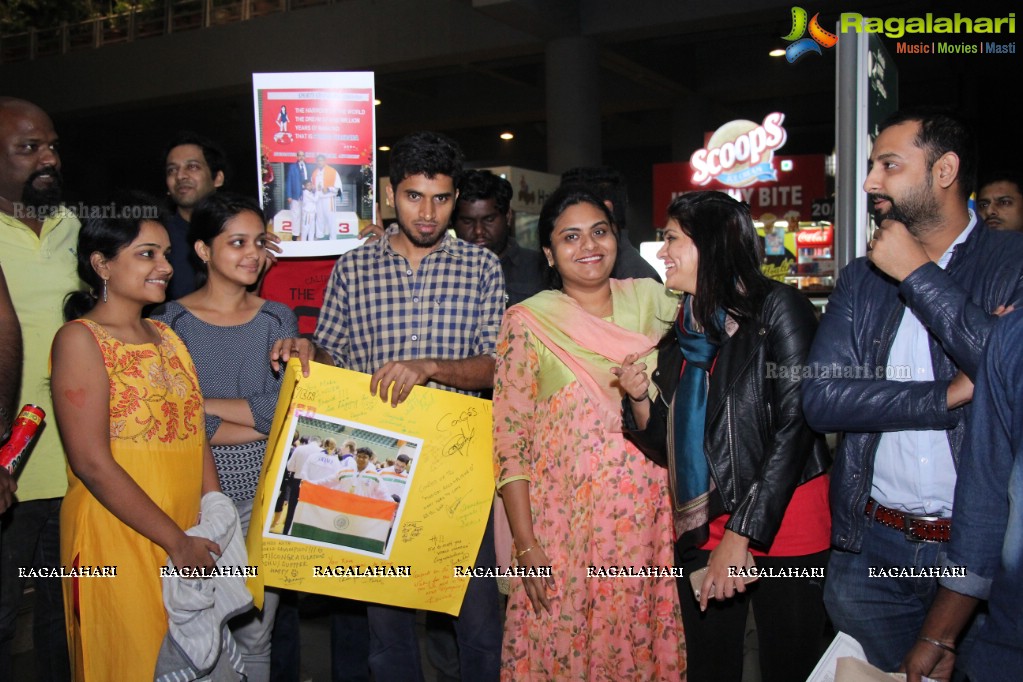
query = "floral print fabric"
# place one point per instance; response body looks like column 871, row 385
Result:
column 597, row 503
column 152, row 395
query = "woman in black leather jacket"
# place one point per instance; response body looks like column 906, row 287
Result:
column 746, row 472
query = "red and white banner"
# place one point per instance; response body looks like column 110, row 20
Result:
column 800, row 180
column 316, row 141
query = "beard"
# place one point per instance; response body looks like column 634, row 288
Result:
column 419, row 240
column 917, row 210
column 48, row 198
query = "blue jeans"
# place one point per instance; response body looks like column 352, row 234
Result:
column 285, row 644
column 884, row 614
column 442, row 646
column 30, row 537
column 393, row 649
column 349, row 641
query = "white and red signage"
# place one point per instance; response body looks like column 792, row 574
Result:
column 739, row 153
column 795, row 182
column 319, row 203
column 334, row 122
column 815, row 238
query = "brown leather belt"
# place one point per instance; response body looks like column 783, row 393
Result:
column 915, row 528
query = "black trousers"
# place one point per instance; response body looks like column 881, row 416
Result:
column 294, row 485
column 790, row 617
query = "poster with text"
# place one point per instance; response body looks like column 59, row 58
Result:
column 362, row 500
column 316, row 142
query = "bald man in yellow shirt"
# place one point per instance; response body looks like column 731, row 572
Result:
column 38, row 238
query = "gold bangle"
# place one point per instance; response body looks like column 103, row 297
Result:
column 519, row 555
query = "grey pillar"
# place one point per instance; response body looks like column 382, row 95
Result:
column 573, row 104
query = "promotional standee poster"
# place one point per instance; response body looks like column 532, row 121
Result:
column 362, row 500
column 316, row 137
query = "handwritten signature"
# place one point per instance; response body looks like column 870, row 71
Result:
column 348, row 404
column 453, row 507
column 446, row 422
column 410, row 531
column 459, row 443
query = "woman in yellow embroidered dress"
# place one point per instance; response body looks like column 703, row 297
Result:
column 576, row 492
column 130, row 413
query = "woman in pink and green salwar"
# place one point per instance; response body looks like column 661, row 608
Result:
column 579, row 497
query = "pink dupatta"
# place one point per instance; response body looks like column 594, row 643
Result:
column 590, row 346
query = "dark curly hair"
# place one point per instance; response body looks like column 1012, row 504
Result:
column 426, row 153
column 480, row 185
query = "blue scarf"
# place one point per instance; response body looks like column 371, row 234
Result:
column 691, row 482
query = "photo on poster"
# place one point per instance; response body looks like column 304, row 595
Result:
column 444, row 442
column 343, row 485
column 316, row 137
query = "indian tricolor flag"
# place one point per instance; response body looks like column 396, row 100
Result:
column 339, row 518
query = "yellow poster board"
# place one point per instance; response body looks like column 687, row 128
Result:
column 321, row 524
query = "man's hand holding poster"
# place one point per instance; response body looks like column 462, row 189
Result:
column 361, row 500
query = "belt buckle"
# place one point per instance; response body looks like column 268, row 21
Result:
column 907, row 526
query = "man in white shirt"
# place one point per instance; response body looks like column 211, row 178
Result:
column 359, row 478
column 395, row 478
column 891, row 367
column 327, row 186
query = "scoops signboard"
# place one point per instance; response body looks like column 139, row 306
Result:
column 740, row 158
column 799, row 180
column 739, row 153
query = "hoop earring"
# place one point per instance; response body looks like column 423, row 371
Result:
column 104, row 291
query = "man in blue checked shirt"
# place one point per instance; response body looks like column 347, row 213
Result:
column 418, row 307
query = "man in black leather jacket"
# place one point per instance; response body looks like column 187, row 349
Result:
column 891, row 369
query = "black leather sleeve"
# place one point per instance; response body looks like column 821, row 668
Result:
column 653, row 440
column 791, row 324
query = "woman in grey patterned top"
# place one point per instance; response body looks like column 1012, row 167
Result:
column 228, row 330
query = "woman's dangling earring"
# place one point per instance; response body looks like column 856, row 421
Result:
column 104, row 291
